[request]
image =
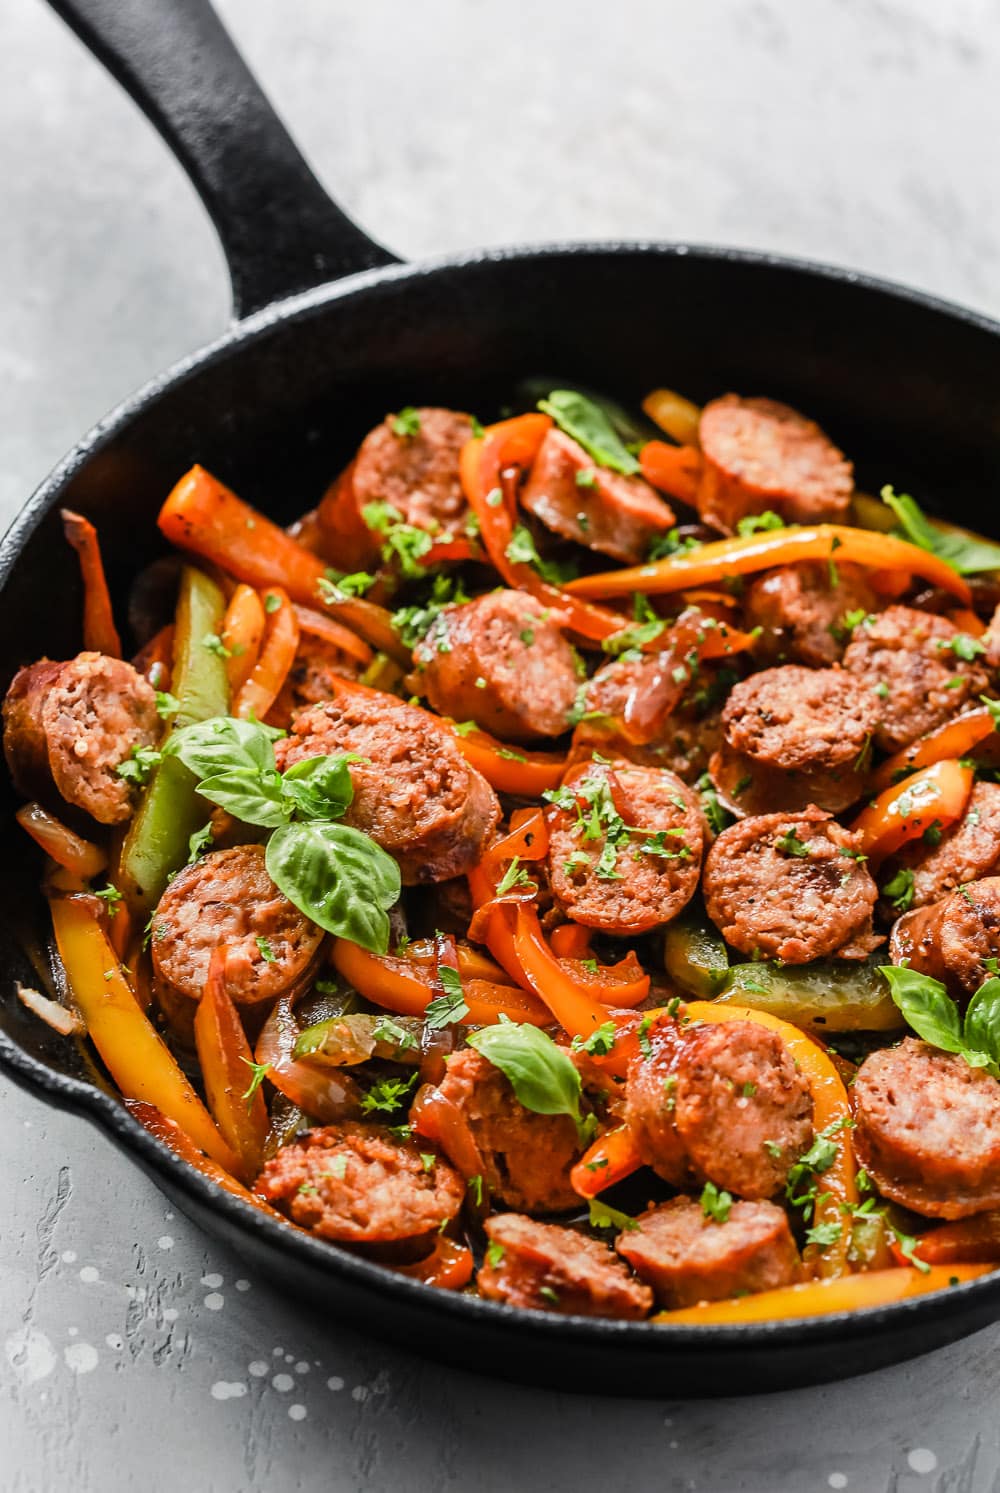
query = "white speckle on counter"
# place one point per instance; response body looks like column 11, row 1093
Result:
column 289, row 1357
column 72, row 1331
column 335, row 1382
column 242, row 1285
column 221, row 1390
column 214, row 1281
column 89, row 1273
column 837, row 1480
column 283, row 1383
column 297, row 1412
column 115, row 1340
column 165, row 1241
column 68, row 1256
column 922, row 1460
column 81, row 1358
column 30, row 1354
column 277, row 1352
column 302, row 1367
column 258, row 1368
column 359, row 1393
column 169, row 1217
column 170, row 1314
column 214, row 1301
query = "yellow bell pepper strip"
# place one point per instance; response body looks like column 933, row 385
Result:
column 956, row 738
column 515, row 444
column 226, row 1062
column 677, row 416
column 170, row 810
column 936, row 795
column 131, row 1048
column 277, row 654
column 746, row 555
column 172, row 1136
column 81, row 857
column 402, row 985
column 817, row 1298
column 99, row 631
column 205, row 518
column 675, row 470
column 242, row 634
column 511, row 769
column 610, row 1159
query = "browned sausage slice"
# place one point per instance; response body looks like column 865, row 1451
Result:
column 953, row 939
column 758, row 455
column 227, row 897
column 722, row 1103
column 642, row 868
column 908, row 659
column 69, row 726
column 410, row 463
column 413, row 791
column 806, row 615
column 790, row 886
column 794, row 736
column 357, row 1184
column 605, row 510
column 554, row 1269
column 525, row 1157
column 502, row 662
column 928, row 1130
column 688, row 1258
column 966, row 851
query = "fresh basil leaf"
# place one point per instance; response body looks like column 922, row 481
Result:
column 255, row 798
column 338, row 877
column 320, row 787
column 982, row 1021
column 966, row 553
column 926, row 1007
column 542, row 1074
column 223, row 744
column 587, row 423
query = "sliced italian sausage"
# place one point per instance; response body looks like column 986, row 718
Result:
column 759, row 455
column 719, row 1102
column 914, row 663
column 687, row 1257
column 501, row 661
column 928, row 1130
column 554, row 1269
column 409, row 462
column 791, row 887
column 642, row 866
column 311, row 680
column 689, row 734
column 794, row 736
column 68, row 727
column 953, row 939
column 227, row 897
column 525, row 1157
column 413, row 791
column 805, row 613
column 967, row 850
column 605, row 510
column 358, row 1184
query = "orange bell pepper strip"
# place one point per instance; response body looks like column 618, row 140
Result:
column 399, row 984
column 610, row 1159
column 679, row 417
column 743, row 556
column 132, row 1049
column 966, row 621
column 956, row 738
column 622, row 985
column 969, row 1241
column 204, row 517
column 277, row 654
column 511, row 769
column 315, row 624
column 99, row 631
column 675, row 470
column 172, row 1136
column 243, row 630
column 936, row 795
column 82, row 857
column 577, row 1012
column 515, row 443
column 570, row 941
column 448, row 1266
column 816, row 1298
column 225, row 1057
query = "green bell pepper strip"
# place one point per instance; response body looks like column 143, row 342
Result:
column 831, row 995
column 170, row 809
column 695, row 957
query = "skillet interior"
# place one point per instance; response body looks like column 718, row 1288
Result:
column 903, row 383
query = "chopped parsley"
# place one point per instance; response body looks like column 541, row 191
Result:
column 407, row 423
column 494, row 1253
column 166, row 704
column 258, row 1072
column 599, row 1043
column 899, row 890
column 420, row 620
column 715, row 1203
column 138, row 765
column 388, row 1095
column 790, row 844
column 264, row 949
column 449, row 1008
column 110, row 896
column 603, row 1216
column 214, row 644
column 755, row 523
column 514, row 876
column 403, row 544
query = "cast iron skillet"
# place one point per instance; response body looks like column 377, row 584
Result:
column 330, row 332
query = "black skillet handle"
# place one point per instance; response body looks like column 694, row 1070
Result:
column 280, row 231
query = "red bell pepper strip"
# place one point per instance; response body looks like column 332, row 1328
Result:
column 570, row 941
column 405, row 986
column 317, row 625
column 511, row 769
column 277, row 654
column 448, row 1266
column 938, row 794
column 610, row 1159
column 675, row 470
column 743, row 556
column 99, row 631
column 970, row 1241
column 226, row 1062
column 956, row 738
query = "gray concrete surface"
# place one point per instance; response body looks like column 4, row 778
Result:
column 135, row 1353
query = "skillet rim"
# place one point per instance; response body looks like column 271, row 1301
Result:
column 105, row 1110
